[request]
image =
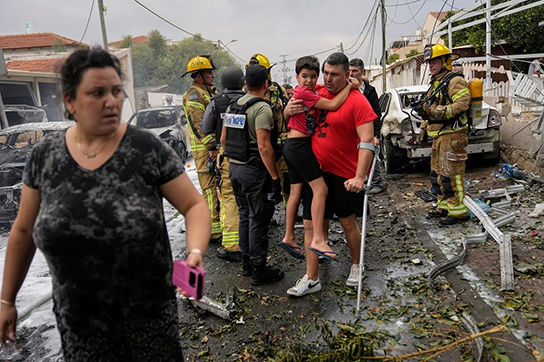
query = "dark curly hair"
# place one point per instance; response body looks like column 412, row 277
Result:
column 78, row 62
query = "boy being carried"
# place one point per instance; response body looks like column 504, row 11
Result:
column 301, row 162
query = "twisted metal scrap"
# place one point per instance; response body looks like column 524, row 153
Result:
column 467, row 240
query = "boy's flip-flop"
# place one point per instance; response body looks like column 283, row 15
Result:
column 324, row 253
column 295, row 251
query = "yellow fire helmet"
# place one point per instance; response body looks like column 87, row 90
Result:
column 198, row 63
column 439, row 50
column 262, row 60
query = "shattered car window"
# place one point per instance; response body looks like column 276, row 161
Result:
column 154, row 119
column 19, row 114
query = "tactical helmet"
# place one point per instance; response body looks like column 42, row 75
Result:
column 439, row 50
column 232, row 78
column 198, row 63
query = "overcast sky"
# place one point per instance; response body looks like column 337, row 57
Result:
column 274, row 28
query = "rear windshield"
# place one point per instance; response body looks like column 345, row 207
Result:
column 157, row 118
column 410, row 100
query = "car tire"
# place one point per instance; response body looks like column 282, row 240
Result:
column 395, row 158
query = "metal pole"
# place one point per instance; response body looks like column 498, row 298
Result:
column 384, row 66
column 450, row 41
column 102, row 23
column 488, row 47
column 363, row 234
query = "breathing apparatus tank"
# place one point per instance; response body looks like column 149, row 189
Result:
column 475, row 86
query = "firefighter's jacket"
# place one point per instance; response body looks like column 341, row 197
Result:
column 448, row 114
column 275, row 96
column 195, row 101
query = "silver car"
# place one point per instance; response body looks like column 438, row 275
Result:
column 400, row 130
column 168, row 123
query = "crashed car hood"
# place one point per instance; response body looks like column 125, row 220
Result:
column 161, row 130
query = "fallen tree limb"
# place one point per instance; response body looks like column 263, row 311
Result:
column 439, row 350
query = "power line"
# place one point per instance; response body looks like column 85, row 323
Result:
column 183, row 30
column 436, row 19
column 230, row 51
column 373, row 25
column 492, row 34
column 88, row 20
column 396, row 8
column 431, row 37
column 404, row 4
column 336, row 47
column 372, row 9
column 163, row 19
column 373, row 37
column 413, row 16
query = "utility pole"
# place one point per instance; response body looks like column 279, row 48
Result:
column 384, row 65
column 341, row 47
column 101, row 11
column 285, row 69
column 487, row 47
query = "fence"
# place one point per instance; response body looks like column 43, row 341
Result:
column 516, row 82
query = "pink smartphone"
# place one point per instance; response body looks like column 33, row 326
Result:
column 190, row 280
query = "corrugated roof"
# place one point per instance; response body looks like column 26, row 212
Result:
column 49, row 65
column 36, row 40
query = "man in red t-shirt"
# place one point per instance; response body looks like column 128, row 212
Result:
column 344, row 165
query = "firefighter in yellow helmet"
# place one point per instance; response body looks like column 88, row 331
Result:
column 278, row 100
column 445, row 120
column 203, row 147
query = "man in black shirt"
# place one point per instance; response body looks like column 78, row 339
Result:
column 357, row 70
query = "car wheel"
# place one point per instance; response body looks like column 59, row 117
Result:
column 395, row 158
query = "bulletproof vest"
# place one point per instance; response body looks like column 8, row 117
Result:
column 237, row 145
column 222, row 102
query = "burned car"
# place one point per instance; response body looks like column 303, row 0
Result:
column 16, row 142
column 168, row 123
column 400, row 130
column 22, row 113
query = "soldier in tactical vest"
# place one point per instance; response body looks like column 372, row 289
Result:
column 232, row 79
column 277, row 97
column 445, row 120
column 203, row 147
column 250, row 135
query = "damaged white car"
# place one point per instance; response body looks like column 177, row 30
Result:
column 400, row 129
column 168, row 123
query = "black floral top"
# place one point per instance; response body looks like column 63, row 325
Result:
column 103, row 232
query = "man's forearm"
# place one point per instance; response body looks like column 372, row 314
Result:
column 267, row 155
column 364, row 162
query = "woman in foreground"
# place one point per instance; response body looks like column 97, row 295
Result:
column 92, row 202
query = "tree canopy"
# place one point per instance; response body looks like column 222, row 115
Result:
column 519, row 30
column 157, row 63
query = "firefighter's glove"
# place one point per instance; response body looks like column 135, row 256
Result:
column 210, row 166
column 423, row 136
column 437, row 112
column 275, row 195
column 419, row 109
column 427, row 109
